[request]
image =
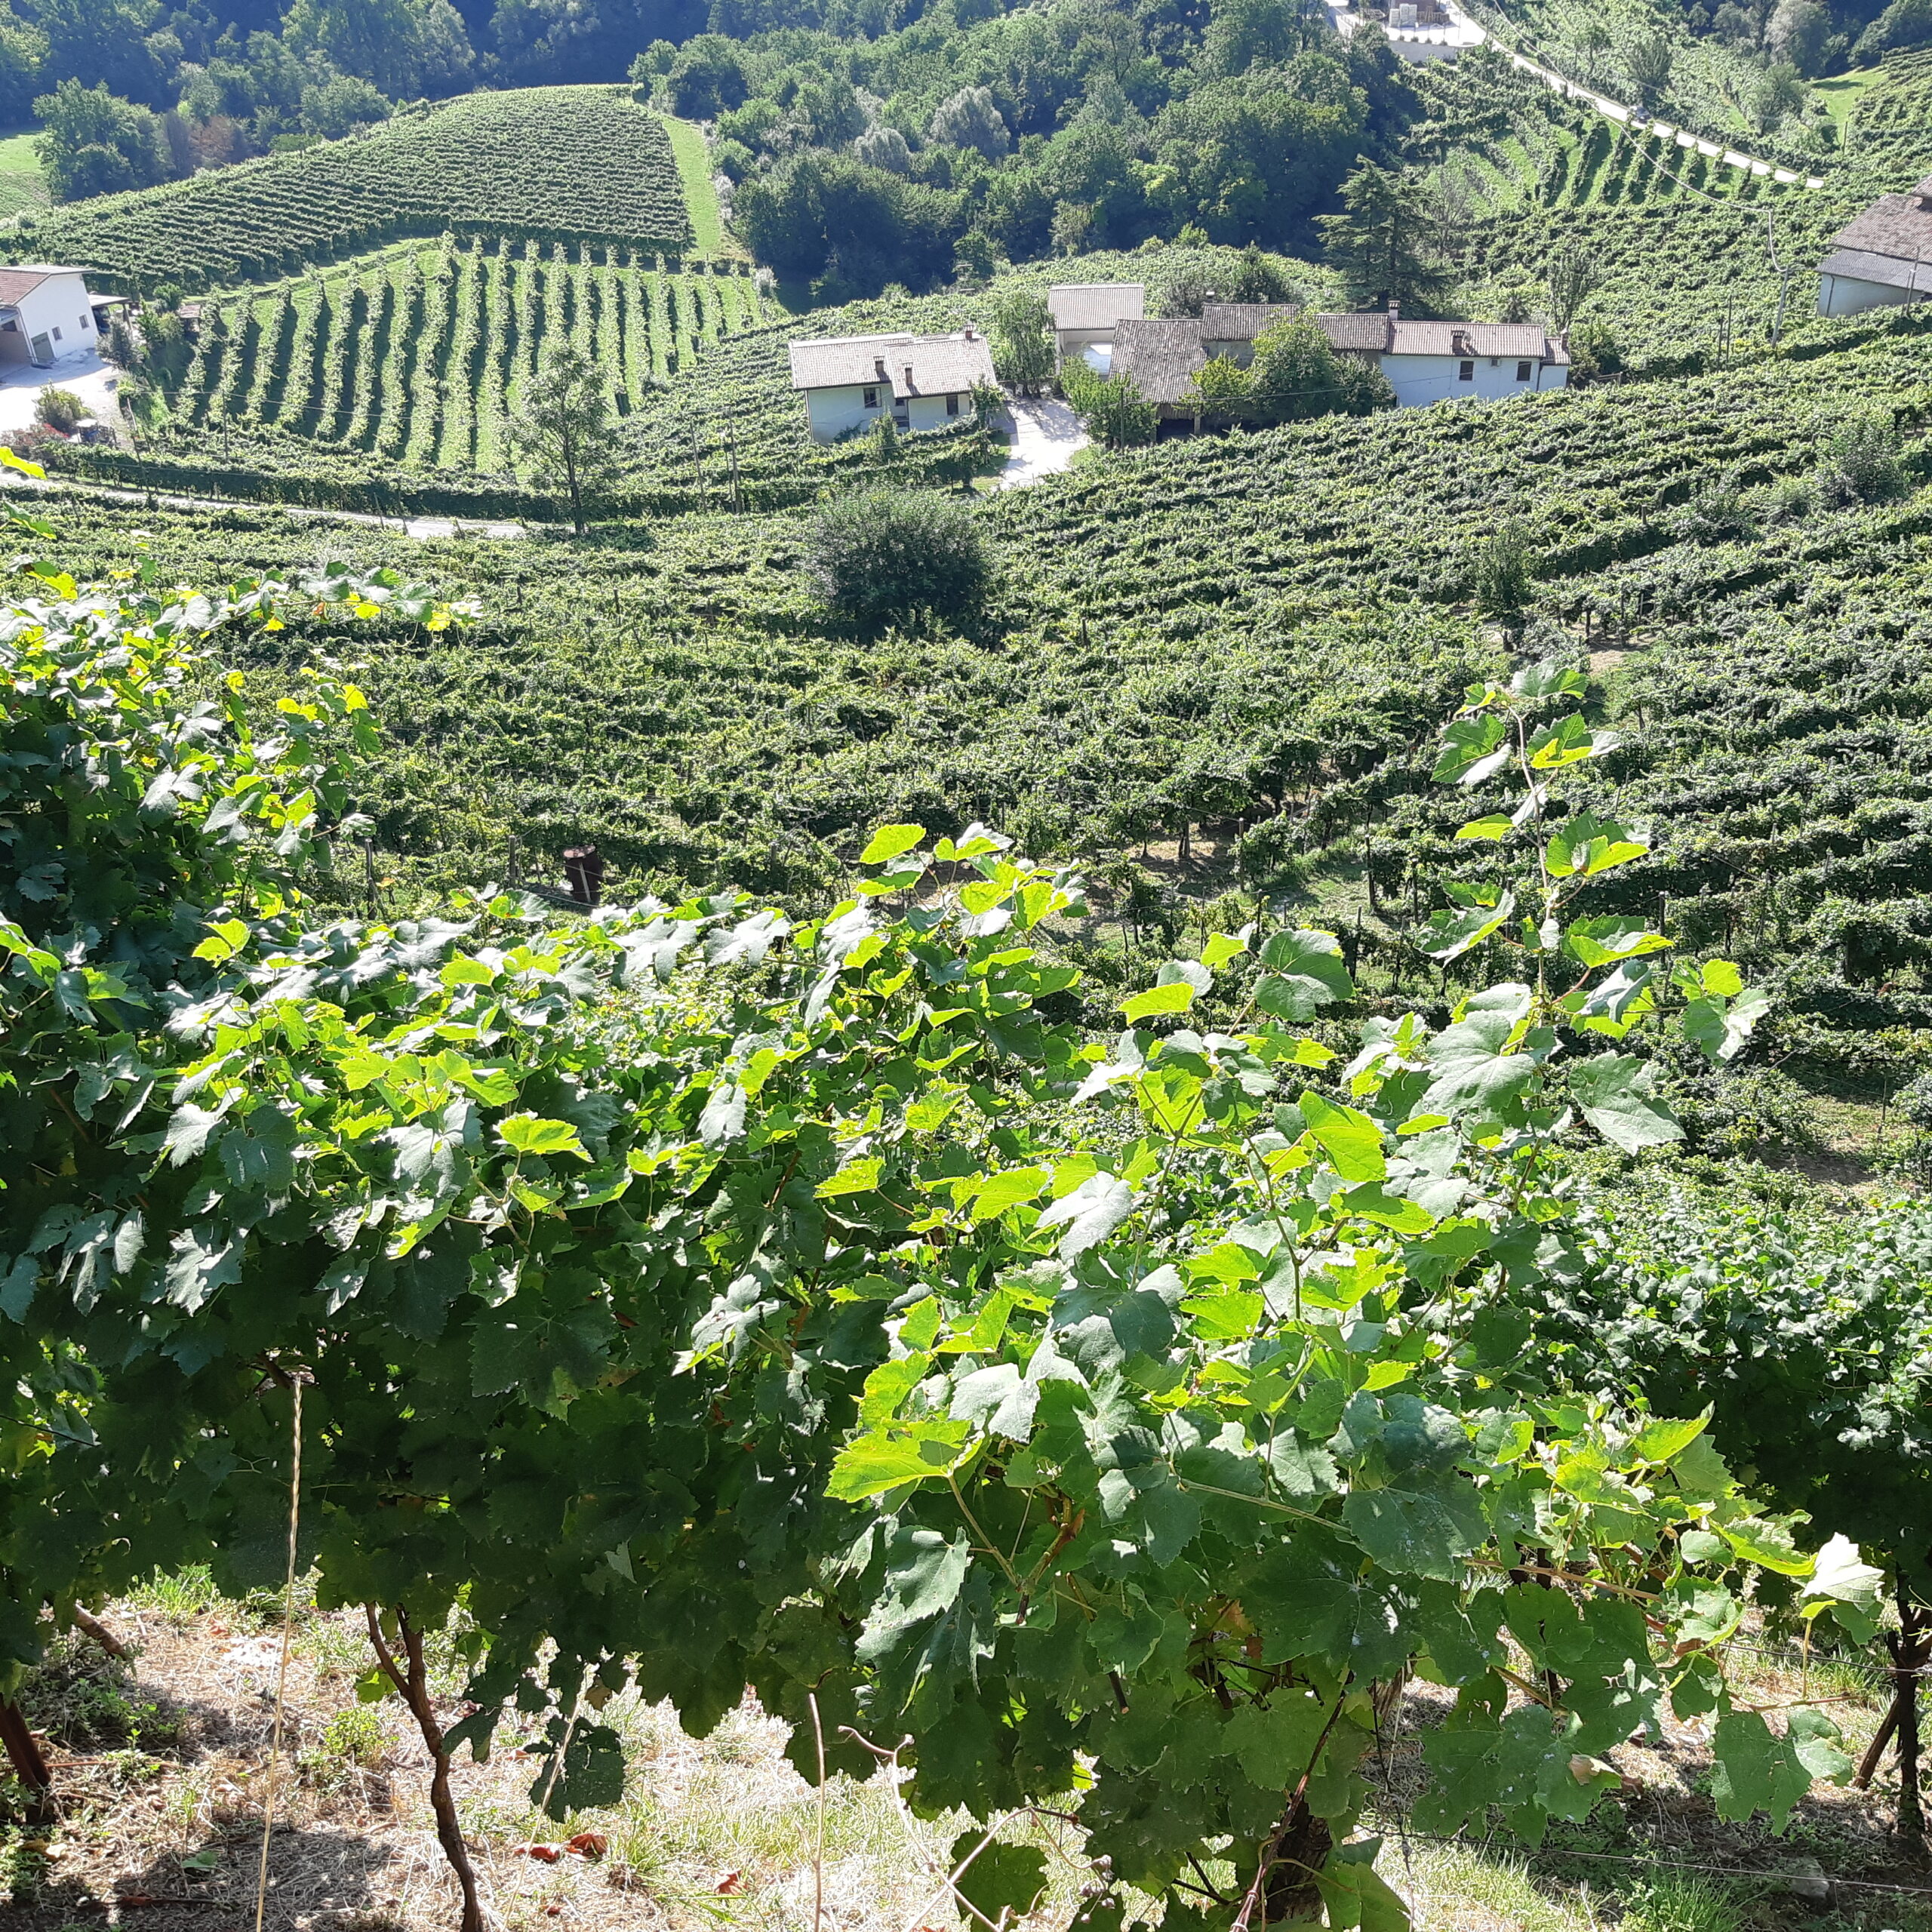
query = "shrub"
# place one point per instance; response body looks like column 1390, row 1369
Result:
column 1502, row 576
column 883, row 554
column 1594, row 352
column 61, row 409
column 1862, row 464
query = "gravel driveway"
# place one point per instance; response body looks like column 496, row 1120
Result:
column 90, row 379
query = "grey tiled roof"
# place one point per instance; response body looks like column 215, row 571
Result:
column 1241, row 322
column 1897, row 227
column 1096, row 305
column 1160, row 356
column 938, row 365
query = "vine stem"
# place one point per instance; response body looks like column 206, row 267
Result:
column 412, row 1681
column 818, row 1841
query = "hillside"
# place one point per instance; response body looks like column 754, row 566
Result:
column 543, row 163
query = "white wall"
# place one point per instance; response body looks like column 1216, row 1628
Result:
column 1420, row 380
column 833, row 412
column 1844, row 295
column 61, row 302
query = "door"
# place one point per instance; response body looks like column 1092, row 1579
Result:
column 43, row 352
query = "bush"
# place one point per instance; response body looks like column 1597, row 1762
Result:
column 1594, row 352
column 883, row 554
column 61, row 409
column 1862, row 464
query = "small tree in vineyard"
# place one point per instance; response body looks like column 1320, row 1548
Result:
column 884, row 553
column 563, row 427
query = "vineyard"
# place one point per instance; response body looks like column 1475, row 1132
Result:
column 416, row 356
column 549, row 163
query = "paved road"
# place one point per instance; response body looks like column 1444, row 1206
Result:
column 1047, row 436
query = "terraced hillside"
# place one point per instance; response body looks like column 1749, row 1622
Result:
column 416, row 355
column 562, row 163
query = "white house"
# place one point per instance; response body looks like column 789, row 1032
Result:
column 1428, row 362
column 46, row 316
column 1087, row 314
column 1425, row 362
column 920, row 382
column 1882, row 259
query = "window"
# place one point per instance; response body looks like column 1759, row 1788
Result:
column 872, row 398
column 1522, row 372
column 83, row 322
column 1467, row 373
column 952, row 405
column 57, row 331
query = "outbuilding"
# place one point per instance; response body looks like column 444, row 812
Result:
column 1881, row 259
column 915, row 382
column 46, row 316
column 1087, row 315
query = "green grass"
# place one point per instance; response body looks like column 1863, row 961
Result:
column 1842, row 92
column 694, row 159
column 22, row 184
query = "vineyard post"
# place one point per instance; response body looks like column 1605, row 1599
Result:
column 1910, row 1649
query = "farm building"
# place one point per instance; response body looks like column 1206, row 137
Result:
column 1882, row 259
column 1425, row 362
column 1087, row 313
column 46, row 315
column 919, row 381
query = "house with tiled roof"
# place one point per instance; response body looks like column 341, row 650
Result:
column 1882, row 259
column 915, row 382
column 1425, row 361
column 46, row 315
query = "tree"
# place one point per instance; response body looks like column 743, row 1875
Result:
column 94, row 143
column 1023, row 342
column 1863, row 460
column 1297, row 374
column 1072, row 222
column 1377, row 242
column 1219, row 391
column 1904, row 23
column 1257, row 277
column 882, row 555
column 969, row 119
column 1255, row 154
column 1647, row 58
column 406, row 48
column 104, row 43
column 817, row 206
column 23, row 53
column 707, row 77
column 1573, row 277
column 1503, row 577
column 1798, row 31
column 1779, row 92
column 1111, row 407
column 1243, row 34
column 338, row 106
column 562, row 425
column 884, row 147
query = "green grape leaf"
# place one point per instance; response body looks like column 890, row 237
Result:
column 1002, row 1878
column 1176, row 996
column 1602, row 941
column 1756, row 1770
column 1089, row 1213
column 1449, row 935
column 1613, row 1092
column 526, row 1133
column 1352, row 1141
column 1304, row 972
column 883, row 1459
column 1842, row 1582
column 1473, row 749
column 1719, row 1027
column 891, row 842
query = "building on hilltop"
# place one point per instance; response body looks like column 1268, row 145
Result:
column 1882, row 259
column 1425, row 362
column 46, row 316
column 917, row 381
column 1087, row 314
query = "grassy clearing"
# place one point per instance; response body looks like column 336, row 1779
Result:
column 22, row 184
column 694, row 160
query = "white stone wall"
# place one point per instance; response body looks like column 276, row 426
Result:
column 1418, row 380
column 1845, row 295
column 833, row 412
column 60, row 303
